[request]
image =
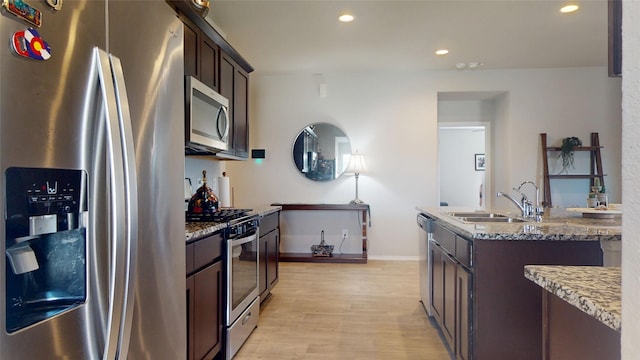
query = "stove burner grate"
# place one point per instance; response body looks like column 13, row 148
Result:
column 223, row 215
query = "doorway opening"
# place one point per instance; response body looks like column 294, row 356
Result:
column 463, row 163
column 466, row 148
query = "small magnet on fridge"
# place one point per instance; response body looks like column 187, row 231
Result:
column 55, row 4
column 29, row 44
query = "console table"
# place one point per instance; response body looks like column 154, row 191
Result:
column 363, row 209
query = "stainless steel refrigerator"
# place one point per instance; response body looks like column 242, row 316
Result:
column 91, row 154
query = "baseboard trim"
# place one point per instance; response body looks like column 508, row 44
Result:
column 393, row 258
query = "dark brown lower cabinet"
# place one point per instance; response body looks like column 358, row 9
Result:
column 448, row 324
column 205, row 298
column 480, row 299
column 269, row 254
column 204, row 312
column 571, row 334
column 463, row 303
column 451, row 300
column 436, row 289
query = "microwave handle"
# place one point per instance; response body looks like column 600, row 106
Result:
column 225, row 132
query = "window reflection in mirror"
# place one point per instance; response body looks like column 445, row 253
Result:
column 321, row 152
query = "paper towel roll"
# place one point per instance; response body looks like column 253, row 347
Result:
column 224, row 191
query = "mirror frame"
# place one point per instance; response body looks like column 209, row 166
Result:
column 309, row 156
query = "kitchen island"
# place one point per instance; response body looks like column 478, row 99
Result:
column 484, row 306
column 581, row 309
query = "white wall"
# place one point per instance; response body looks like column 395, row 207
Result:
column 460, row 182
column 392, row 119
column 630, row 184
column 194, row 165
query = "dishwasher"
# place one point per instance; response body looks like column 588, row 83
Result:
column 426, row 234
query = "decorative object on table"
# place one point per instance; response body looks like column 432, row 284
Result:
column 596, row 188
column 603, row 199
column 480, row 162
column 323, row 249
column 356, row 166
column 204, row 201
column 592, row 200
column 566, row 152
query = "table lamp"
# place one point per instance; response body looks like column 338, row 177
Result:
column 356, row 166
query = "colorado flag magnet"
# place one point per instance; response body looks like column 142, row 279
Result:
column 29, row 44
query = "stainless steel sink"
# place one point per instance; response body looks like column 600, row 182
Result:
column 477, row 215
column 503, row 219
column 484, row 217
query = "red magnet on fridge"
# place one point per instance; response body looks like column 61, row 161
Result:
column 29, row 44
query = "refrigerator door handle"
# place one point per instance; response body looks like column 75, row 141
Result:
column 131, row 203
column 117, row 205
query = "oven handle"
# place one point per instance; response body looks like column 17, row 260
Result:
column 244, row 240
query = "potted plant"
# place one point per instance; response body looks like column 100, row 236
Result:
column 596, row 188
column 603, row 199
column 592, row 200
column 566, row 152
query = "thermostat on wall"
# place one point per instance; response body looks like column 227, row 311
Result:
column 258, row 154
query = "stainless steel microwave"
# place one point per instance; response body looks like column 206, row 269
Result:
column 207, row 120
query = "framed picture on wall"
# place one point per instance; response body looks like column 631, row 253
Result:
column 480, row 162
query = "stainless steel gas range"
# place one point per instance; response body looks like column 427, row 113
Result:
column 243, row 301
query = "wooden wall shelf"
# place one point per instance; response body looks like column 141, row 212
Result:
column 335, row 258
column 595, row 165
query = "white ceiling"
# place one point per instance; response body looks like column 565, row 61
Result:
column 304, row 36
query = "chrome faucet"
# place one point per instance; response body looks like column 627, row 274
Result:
column 525, row 205
column 538, row 211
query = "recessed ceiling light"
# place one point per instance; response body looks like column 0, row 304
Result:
column 346, row 18
column 442, row 52
column 569, row 8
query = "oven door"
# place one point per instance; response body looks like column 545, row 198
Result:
column 242, row 270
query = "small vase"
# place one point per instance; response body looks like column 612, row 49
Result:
column 592, row 202
column 603, row 200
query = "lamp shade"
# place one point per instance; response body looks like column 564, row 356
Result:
column 356, row 164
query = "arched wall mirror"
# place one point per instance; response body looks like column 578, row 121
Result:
column 321, row 152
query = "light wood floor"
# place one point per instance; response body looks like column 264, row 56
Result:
column 345, row 311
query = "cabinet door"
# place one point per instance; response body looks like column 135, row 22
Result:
column 241, row 113
column 449, row 266
column 209, row 63
column 190, row 316
column 436, row 278
column 207, row 323
column 463, row 327
column 234, row 85
column 191, row 49
column 262, row 267
column 227, row 70
column 273, row 245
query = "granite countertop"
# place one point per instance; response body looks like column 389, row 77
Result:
column 556, row 224
column 196, row 230
column 592, row 289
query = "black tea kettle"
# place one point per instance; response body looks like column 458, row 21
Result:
column 204, row 201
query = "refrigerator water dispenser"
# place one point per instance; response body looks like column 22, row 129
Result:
column 45, row 244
